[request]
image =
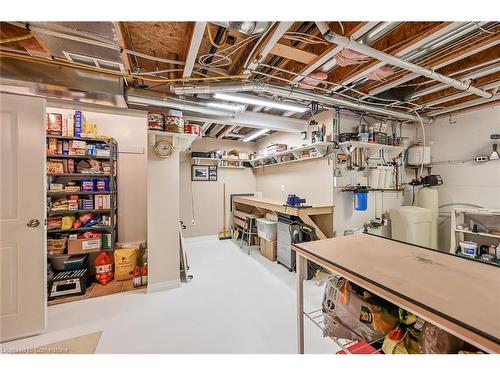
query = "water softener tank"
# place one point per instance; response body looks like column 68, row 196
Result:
column 427, row 197
column 412, row 225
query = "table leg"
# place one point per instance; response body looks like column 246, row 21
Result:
column 300, row 262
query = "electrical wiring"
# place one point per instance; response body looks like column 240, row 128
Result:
column 334, row 84
column 221, row 58
column 16, row 39
column 211, row 38
column 61, row 62
column 484, row 30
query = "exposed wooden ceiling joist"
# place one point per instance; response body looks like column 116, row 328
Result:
column 457, row 55
column 259, row 55
column 291, row 53
column 331, row 51
column 416, row 34
column 194, row 46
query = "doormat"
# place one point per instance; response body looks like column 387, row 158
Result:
column 85, row 344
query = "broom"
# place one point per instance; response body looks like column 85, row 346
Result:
column 225, row 233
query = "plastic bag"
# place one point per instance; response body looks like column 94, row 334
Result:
column 125, row 261
column 104, row 268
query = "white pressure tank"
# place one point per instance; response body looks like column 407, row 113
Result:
column 412, row 225
column 427, row 197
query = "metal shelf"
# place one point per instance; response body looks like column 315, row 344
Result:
column 367, row 145
column 63, row 137
column 288, row 161
column 81, row 229
column 346, row 345
column 79, row 174
column 478, row 233
column 64, row 193
column 70, row 212
column 59, row 156
column 85, row 252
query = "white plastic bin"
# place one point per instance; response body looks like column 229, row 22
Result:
column 266, row 229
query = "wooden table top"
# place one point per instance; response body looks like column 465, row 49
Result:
column 458, row 294
column 277, row 206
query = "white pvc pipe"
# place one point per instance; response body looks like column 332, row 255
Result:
column 396, row 61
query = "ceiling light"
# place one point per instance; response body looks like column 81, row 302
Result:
column 226, row 106
column 255, row 135
column 256, row 100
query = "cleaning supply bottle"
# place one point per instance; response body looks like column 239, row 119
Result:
column 137, row 278
column 144, row 274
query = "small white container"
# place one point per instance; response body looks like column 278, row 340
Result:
column 374, row 178
column 381, row 179
column 266, row 229
column 389, row 173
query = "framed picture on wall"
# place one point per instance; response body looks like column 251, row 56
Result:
column 212, row 173
column 199, row 172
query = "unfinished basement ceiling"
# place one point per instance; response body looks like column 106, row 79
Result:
column 285, row 54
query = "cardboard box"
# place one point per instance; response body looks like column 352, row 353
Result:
column 268, row 249
column 83, row 245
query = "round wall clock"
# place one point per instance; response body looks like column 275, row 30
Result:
column 163, row 149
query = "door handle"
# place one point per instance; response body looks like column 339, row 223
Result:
column 33, row 223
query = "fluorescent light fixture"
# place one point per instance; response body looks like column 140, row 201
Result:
column 255, row 135
column 256, row 100
column 226, row 106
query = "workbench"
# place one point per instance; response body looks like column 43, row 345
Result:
column 319, row 217
column 459, row 295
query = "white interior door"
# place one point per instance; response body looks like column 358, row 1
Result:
column 22, row 217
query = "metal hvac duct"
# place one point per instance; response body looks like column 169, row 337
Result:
column 214, row 111
column 55, row 82
column 288, row 92
column 142, row 98
column 396, row 61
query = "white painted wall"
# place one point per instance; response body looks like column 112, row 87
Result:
column 163, row 220
column 313, row 179
column 129, row 128
column 465, row 182
column 202, row 201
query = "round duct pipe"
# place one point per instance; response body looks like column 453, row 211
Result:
column 291, row 93
column 140, row 97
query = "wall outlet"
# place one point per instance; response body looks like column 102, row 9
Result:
column 193, row 222
column 282, row 187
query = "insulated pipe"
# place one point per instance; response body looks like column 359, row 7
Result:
column 288, row 92
column 396, row 61
column 207, row 107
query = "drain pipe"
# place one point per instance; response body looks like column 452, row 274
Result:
column 393, row 60
column 291, row 93
column 143, row 98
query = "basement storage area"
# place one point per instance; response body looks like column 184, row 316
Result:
column 250, row 187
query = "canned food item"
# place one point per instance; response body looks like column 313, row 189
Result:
column 155, row 121
column 174, row 122
column 192, row 129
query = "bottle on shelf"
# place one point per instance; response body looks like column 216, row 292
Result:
column 137, row 278
column 144, row 274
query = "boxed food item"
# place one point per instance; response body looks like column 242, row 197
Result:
column 89, row 130
column 78, row 124
column 87, row 185
column 56, row 187
column 125, row 261
column 51, row 146
column 56, row 246
column 54, row 123
column 268, row 249
column 101, row 184
column 55, row 166
column 70, row 123
column 106, row 241
column 83, row 245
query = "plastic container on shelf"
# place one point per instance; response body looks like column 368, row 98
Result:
column 266, row 229
column 415, row 155
column 374, row 178
column 388, row 178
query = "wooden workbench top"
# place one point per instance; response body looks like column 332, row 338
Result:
column 275, row 205
column 457, row 294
